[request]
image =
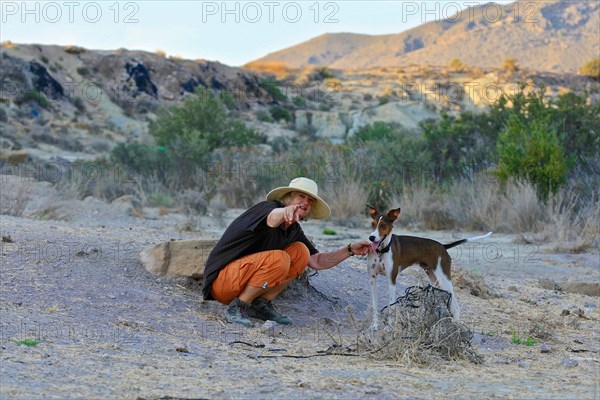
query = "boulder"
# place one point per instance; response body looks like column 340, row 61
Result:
column 178, row 258
column 324, row 124
column 13, row 156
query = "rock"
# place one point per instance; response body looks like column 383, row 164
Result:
column 13, row 156
column 545, row 348
column 587, row 288
column 74, row 49
column 271, row 328
column 324, row 124
column 523, row 364
column 569, row 362
column 565, row 312
column 178, row 258
column 549, row 284
column 590, row 305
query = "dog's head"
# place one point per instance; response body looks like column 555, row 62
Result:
column 382, row 225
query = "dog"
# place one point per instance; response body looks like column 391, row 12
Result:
column 391, row 253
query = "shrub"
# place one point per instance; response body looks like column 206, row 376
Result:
column 299, row 102
column 83, row 71
column 79, row 104
column 532, row 151
column 457, row 65
column 228, row 100
column 377, row 131
column 264, row 116
column 280, row 113
column 510, row 65
column 591, row 68
column 36, row 97
column 323, row 73
column 273, row 89
column 202, row 123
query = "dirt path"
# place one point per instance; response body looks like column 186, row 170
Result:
column 108, row 329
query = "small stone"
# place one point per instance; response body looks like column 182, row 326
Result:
column 271, row 328
column 590, row 305
column 545, row 348
column 523, row 364
column 565, row 312
column 182, row 349
column 112, row 296
column 569, row 362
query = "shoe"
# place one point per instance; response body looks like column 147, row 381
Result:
column 237, row 312
column 263, row 309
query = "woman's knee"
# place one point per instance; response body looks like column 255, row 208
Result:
column 280, row 262
column 299, row 256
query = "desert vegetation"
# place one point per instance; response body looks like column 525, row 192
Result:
column 528, row 165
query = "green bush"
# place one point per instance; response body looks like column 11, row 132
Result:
column 36, row 97
column 299, row 102
column 273, row 89
column 185, row 136
column 79, row 104
column 83, row 71
column 532, row 151
column 201, row 121
column 462, row 145
column 375, row 132
column 142, row 159
column 322, row 74
column 280, row 113
column 228, row 100
column 264, row 116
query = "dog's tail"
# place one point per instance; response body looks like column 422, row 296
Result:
column 459, row 242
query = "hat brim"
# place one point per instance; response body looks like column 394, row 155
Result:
column 319, row 209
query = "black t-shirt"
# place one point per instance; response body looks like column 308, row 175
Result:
column 249, row 234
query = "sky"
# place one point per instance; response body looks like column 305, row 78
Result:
column 231, row 32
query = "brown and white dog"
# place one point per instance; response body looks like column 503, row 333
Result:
column 391, row 253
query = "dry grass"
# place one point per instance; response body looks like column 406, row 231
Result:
column 413, row 202
column 419, row 329
column 521, row 208
column 565, row 220
column 570, row 226
column 277, row 68
column 347, row 200
column 13, row 201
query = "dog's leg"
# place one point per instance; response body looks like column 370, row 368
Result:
column 389, row 267
column 445, row 284
column 373, row 276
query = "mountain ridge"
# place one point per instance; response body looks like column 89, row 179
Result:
column 557, row 36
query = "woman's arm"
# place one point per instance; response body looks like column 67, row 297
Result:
column 328, row 260
column 284, row 214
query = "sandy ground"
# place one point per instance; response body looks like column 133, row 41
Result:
column 109, row 329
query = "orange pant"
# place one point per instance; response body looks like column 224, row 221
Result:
column 266, row 269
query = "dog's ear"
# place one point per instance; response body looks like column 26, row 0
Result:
column 393, row 214
column 373, row 211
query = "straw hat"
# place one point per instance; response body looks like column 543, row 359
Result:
column 319, row 209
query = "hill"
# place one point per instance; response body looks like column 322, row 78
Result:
column 556, row 35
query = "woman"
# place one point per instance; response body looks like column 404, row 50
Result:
column 264, row 250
